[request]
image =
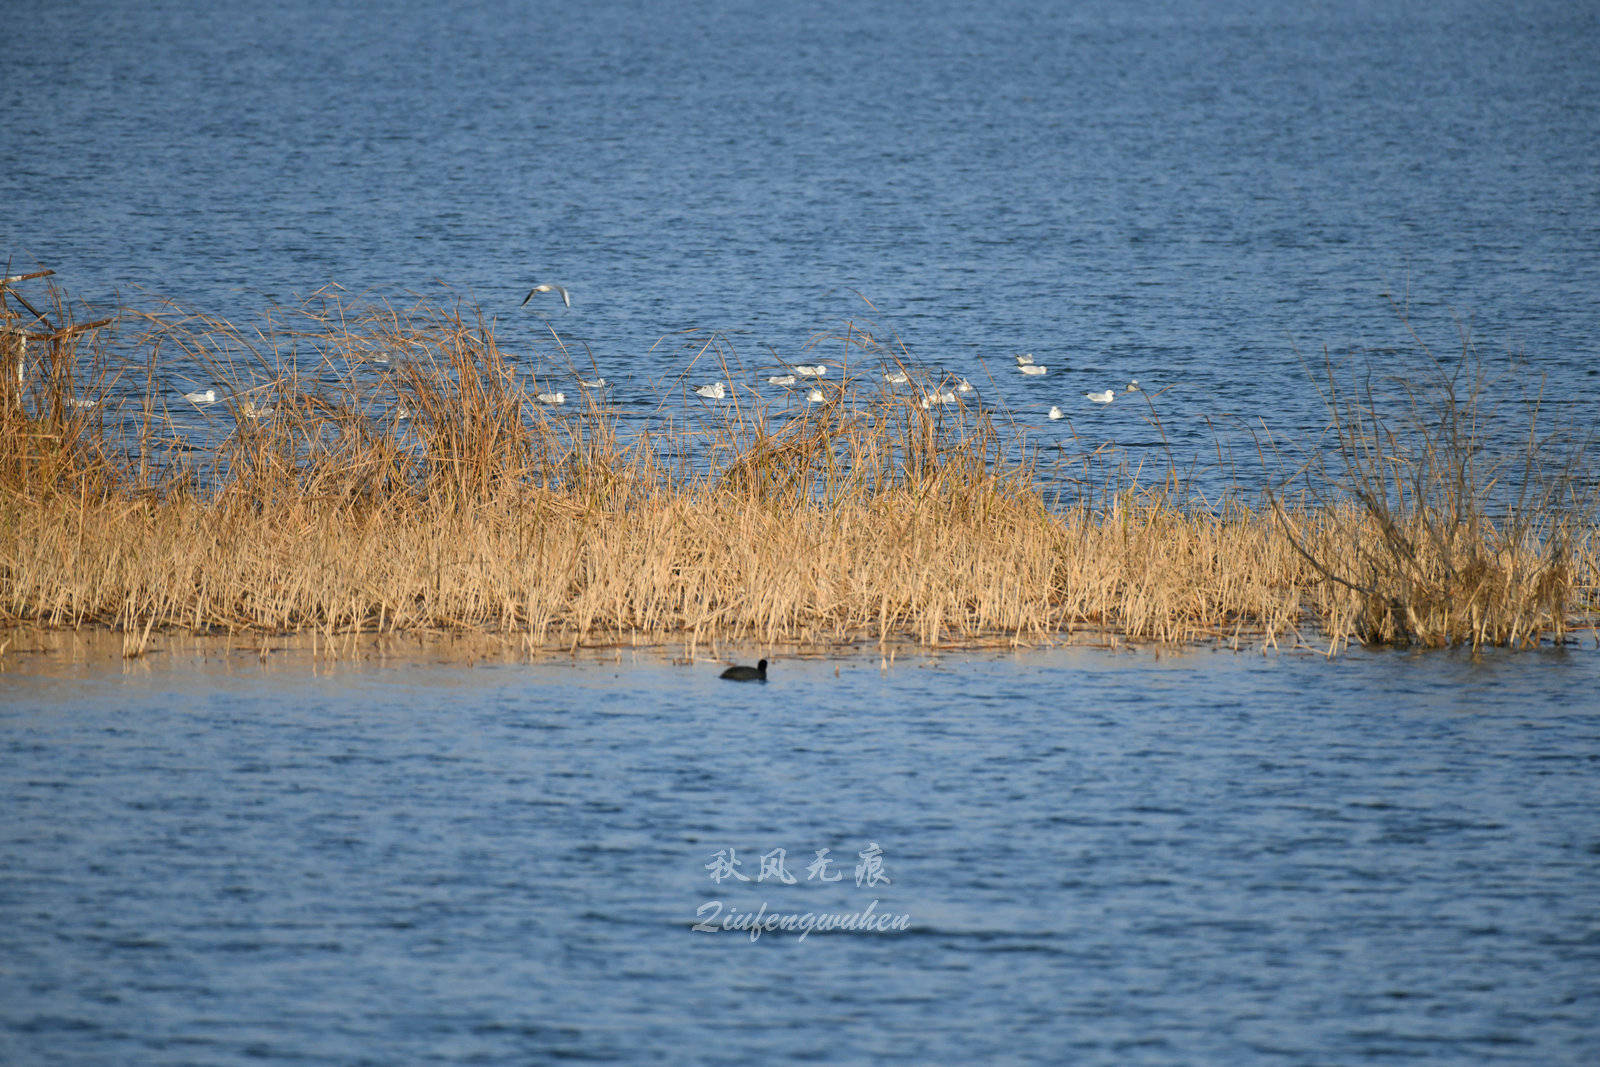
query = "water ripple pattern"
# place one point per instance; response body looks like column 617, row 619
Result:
column 1105, row 858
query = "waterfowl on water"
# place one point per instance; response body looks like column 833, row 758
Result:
column 811, row 370
column 207, row 397
column 1032, row 368
column 551, row 398
column 896, row 377
column 815, row 396
column 781, row 379
column 1133, row 386
column 758, row 673
column 714, row 391
column 1025, row 359
column 1056, row 413
column 545, row 287
column 1105, row 396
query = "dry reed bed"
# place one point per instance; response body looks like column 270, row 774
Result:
column 406, row 480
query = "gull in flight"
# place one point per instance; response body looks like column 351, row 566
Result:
column 714, row 391
column 550, row 398
column 781, row 379
column 1104, row 397
column 207, row 397
column 546, row 287
column 1056, row 413
column 1029, row 368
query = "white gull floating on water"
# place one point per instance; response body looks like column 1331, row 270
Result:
column 207, row 397
column 1056, row 413
column 781, row 379
column 896, row 377
column 814, row 396
column 1105, row 396
column 1033, row 369
column 811, row 370
column 714, row 391
column 551, row 398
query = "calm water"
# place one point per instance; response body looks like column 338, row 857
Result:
column 1191, row 195
column 1197, row 858
column 1105, row 859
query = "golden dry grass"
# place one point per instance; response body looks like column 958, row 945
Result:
column 406, row 480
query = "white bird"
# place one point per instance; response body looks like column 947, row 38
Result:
column 940, row 396
column 1104, row 397
column 79, row 402
column 207, row 397
column 250, row 411
column 714, row 391
column 1029, row 368
column 593, row 383
column 1025, row 359
column 963, row 386
column 1133, row 386
column 781, row 379
column 1056, row 413
column 816, row 370
column 546, row 287
column 402, row 412
column 896, row 377
column 814, row 396
column 551, row 398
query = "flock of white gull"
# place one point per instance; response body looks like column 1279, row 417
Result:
column 939, row 396
column 811, row 373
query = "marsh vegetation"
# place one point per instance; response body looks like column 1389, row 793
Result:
column 369, row 467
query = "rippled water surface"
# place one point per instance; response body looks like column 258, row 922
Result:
column 1105, row 858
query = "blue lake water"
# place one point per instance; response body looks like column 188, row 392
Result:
column 1105, row 858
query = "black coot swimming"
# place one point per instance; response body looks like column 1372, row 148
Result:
column 758, row 673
